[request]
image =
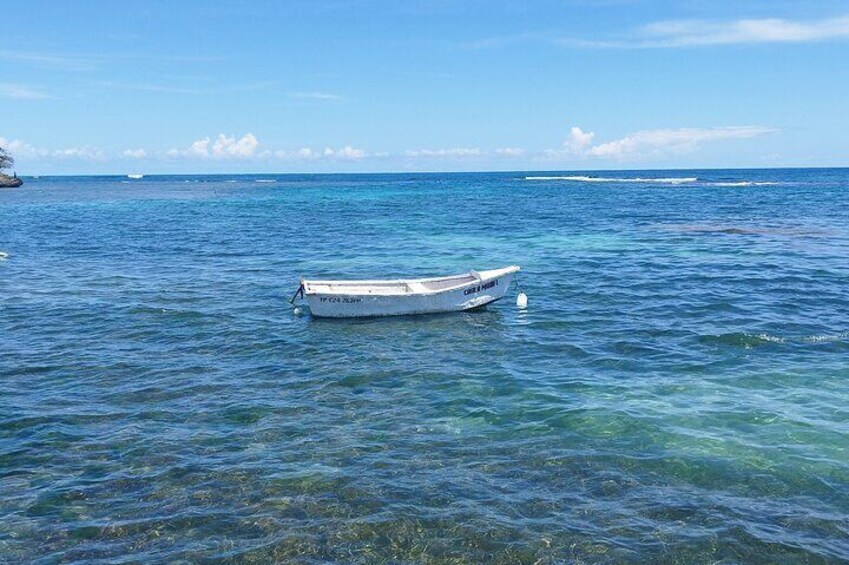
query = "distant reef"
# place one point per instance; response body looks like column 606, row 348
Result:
column 10, row 182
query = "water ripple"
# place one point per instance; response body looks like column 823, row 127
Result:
column 676, row 392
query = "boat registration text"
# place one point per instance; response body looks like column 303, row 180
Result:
column 480, row 287
column 343, row 299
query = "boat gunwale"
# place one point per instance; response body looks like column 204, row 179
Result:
column 483, row 277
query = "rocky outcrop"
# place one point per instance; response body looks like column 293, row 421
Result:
column 10, row 182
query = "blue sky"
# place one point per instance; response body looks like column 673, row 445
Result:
column 439, row 85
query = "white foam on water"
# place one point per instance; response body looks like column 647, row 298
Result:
column 651, row 180
column 826, row 338
column 581, row 178
column 742, row 183
column 266, row 181
column 771, row 338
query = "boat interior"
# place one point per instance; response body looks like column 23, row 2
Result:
column 396, row 287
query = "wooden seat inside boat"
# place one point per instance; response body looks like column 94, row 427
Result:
column 416, row 287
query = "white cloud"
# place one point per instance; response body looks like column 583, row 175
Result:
column 199, row 148
column 694, row 33
column 683, row 33
column 649, row 143
column 84, row 153
column 302, row 154
column 315, row 96
column 22, row 149
column 134, row 153
column 347, row 153
column 229, row 147
column 510, row 151
column 457, row 152
column 222, row 148
column 71, row 63
column 21, row 92
column 690, row 33
column 578, row 140
column 148, row 87
column 306, row 153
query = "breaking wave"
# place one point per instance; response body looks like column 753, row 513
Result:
column 748, row 341
column 651, row 180
column 581, row 178
column 742, row 183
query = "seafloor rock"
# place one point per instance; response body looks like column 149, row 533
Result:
column 10, row 182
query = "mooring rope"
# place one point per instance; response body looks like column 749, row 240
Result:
column 299, row 291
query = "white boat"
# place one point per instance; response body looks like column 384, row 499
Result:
column 135, row 176
column 349, row 299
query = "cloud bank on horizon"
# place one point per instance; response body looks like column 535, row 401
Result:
column 648, row 143
column 329, row 86
column 642, row 145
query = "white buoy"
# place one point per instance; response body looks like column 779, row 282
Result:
column 522, row 300
column 296, row 311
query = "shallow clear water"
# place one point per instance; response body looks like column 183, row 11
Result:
column 677, row 390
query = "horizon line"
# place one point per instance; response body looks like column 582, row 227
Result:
column 470, row 172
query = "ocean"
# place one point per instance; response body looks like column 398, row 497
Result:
column 677, row 390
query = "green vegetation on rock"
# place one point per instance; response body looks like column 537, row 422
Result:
column 7, row 162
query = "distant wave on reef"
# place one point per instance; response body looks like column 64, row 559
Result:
column 580, row 178
column 649, row 180
column 743, row 183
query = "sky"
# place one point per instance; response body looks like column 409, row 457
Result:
column 185, row 86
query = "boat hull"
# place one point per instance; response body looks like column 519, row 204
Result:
column 473, row 295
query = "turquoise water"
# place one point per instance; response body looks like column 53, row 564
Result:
column 676, row 392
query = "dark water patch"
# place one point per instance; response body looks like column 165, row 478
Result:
column 747, row 230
